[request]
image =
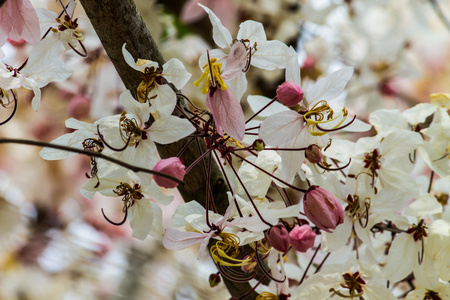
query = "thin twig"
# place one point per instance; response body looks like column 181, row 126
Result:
column 88, row 153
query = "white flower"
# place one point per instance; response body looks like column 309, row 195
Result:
column 161, row 96
column 137, row 194
column 267, row 55
column 290, row 129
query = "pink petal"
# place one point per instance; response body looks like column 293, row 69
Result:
column 177, row 240
column 227, row 112
column 236, row 61
column 19, row 19
column 191, row 12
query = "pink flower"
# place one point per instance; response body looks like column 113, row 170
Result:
column 302, row 238
column 225, row 107
column 323, row 208
column 171, row 166
column 289, row 94
column 18, row 19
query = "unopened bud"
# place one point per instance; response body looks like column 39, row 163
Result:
column 259, row 145
column 302, row 238
column 278, row 238
column 214, row 279
column 289, row 94
column 172, row 166
column 313, row 154
column 323, row 208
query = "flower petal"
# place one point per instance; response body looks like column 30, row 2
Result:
column 221, row 35
column 227, row 113
column 329, row 87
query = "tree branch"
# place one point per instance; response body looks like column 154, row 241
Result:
column 88, row 153
column 117, row 22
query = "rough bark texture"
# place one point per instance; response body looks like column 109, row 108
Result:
column 117, row 22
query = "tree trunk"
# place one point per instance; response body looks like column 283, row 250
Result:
column 117, row 22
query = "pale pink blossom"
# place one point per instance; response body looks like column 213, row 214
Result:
column 18, row 20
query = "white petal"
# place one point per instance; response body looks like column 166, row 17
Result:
column 238, row 85
column 170, row 130
column 141, row 219
column 418, row 113
column 177, row 240
column 385, row 119
column 221, row 35
column 329, row 87
column 270, row 55
column 253, row 31
column 130, row 61
column 134, row 107
column 185, row 209
column 292, row 67
column 425, row 205
column 154, row 192
column 175, row 72
column 162, row 101
column 280, row 128
column 74, row 139
column 258, row 102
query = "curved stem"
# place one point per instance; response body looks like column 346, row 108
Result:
column 108, row 145
column 114, row 223
column 85, row 54
column 14, row 110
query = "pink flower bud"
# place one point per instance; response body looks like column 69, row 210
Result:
column 278, row 238
column 172, row 166
column 313, row 154
column 302, row 238
column 289, row 94
column 323, row 208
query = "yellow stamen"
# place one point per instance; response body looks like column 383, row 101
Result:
column 208, row 70
column 267, row 296
column 322, row 113
column 236, row 143
column 225, row 252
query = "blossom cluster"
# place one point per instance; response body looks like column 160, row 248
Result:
column 301, row 196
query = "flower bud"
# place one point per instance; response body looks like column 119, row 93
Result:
column 302, row 238
column 313, row 154
column 214, row 279
column 278, row 238
column 289, row 94
column 172, row 166
column 258, row 145
column 323, row 208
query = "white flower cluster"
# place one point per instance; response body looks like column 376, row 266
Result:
column 300, row 195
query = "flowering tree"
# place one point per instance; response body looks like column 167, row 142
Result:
column 287, row 205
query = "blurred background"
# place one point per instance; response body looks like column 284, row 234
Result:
column 55, row 244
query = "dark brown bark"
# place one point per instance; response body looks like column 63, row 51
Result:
column 117, row 22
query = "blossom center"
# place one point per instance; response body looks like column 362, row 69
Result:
column 354, row 283
column 131, row 132
column 322, row 113
column 225, row 252
column 354, row 208
column 211, row 76
column 149, row 80
column 68, row 24
column 129, row 194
